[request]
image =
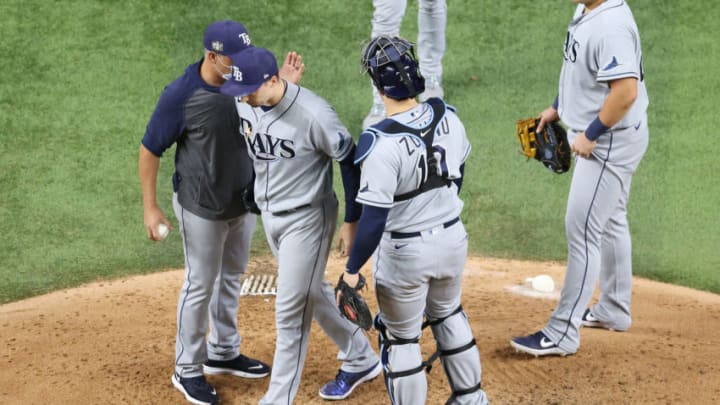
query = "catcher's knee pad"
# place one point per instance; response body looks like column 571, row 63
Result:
column 459, row 354
column 402, row 366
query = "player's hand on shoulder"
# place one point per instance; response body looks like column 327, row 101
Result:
column 293, row 68
column 548, row 115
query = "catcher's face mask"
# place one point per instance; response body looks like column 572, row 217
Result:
column 393, row 67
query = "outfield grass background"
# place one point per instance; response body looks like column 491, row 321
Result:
column 81, row 78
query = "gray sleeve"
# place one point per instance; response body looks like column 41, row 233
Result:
column 379, row 178
column 329, row 134
column 616, row 55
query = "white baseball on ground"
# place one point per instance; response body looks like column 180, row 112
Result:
column 543, row 283
column 163, row 231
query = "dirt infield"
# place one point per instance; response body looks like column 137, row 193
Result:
column 113, row 343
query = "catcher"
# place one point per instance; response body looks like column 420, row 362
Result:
column 412, row 165
column 547, row 143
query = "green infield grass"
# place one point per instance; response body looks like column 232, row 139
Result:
column 80, row 80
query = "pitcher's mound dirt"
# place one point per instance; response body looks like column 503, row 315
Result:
column 113, row 343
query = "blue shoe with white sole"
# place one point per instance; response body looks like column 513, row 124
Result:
column 537, row 345
column 344, row 383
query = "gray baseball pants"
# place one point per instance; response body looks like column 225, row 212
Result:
column 216, row 256
column 598, row 236
column 301, row 242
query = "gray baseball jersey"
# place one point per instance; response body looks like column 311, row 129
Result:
column 601, row 46
column 419, row 263
column 405, row 154
column 292, row 146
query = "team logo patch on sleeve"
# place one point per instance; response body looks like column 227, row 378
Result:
column 612, row 65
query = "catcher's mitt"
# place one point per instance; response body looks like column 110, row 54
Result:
column 352, row 305
column 550, row 147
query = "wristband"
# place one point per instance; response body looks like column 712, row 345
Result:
column 556, row 103
column 595, row 129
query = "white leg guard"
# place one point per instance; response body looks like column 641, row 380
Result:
column 403, row 367
column 460, row 357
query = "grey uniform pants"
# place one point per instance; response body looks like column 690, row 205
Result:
column 301, row 243
column 432, row 19
column 598, row 236
column 216, row 255
column 418, row 276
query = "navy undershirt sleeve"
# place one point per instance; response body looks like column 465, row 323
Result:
column 458, row 182
column 351, row 183
column 166, row 124
column 369, row 231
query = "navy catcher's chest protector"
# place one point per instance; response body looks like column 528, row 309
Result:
column 435, row 174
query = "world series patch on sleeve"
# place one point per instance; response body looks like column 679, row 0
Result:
column 550, row 147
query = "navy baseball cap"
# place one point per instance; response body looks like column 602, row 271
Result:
column 250, row 69
column 226, row 37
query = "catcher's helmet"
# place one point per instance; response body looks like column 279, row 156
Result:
column 391, row 63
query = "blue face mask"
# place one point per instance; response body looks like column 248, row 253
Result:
column 224, row 68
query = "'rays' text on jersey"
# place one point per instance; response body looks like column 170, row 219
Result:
column 267, row 147
column 570, row 50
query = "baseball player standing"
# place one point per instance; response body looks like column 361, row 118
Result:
column 211, row 172
column 412, row 166
column 432, row 20
column 603, row 101
column 293, row 135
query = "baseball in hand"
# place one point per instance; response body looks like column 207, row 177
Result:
column 162, row 231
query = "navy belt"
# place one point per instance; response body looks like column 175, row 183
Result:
column 291, row 210
column 405, row 235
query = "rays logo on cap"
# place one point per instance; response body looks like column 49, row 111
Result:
column 245, row 38
column 237, row 74
column 217, row 46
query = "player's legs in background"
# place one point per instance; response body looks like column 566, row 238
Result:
column 387, row 17
column 432, row 21
column 386, row 20
column 459, row 353
column 224, row 339
column 594, row 193
column 203, row 243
